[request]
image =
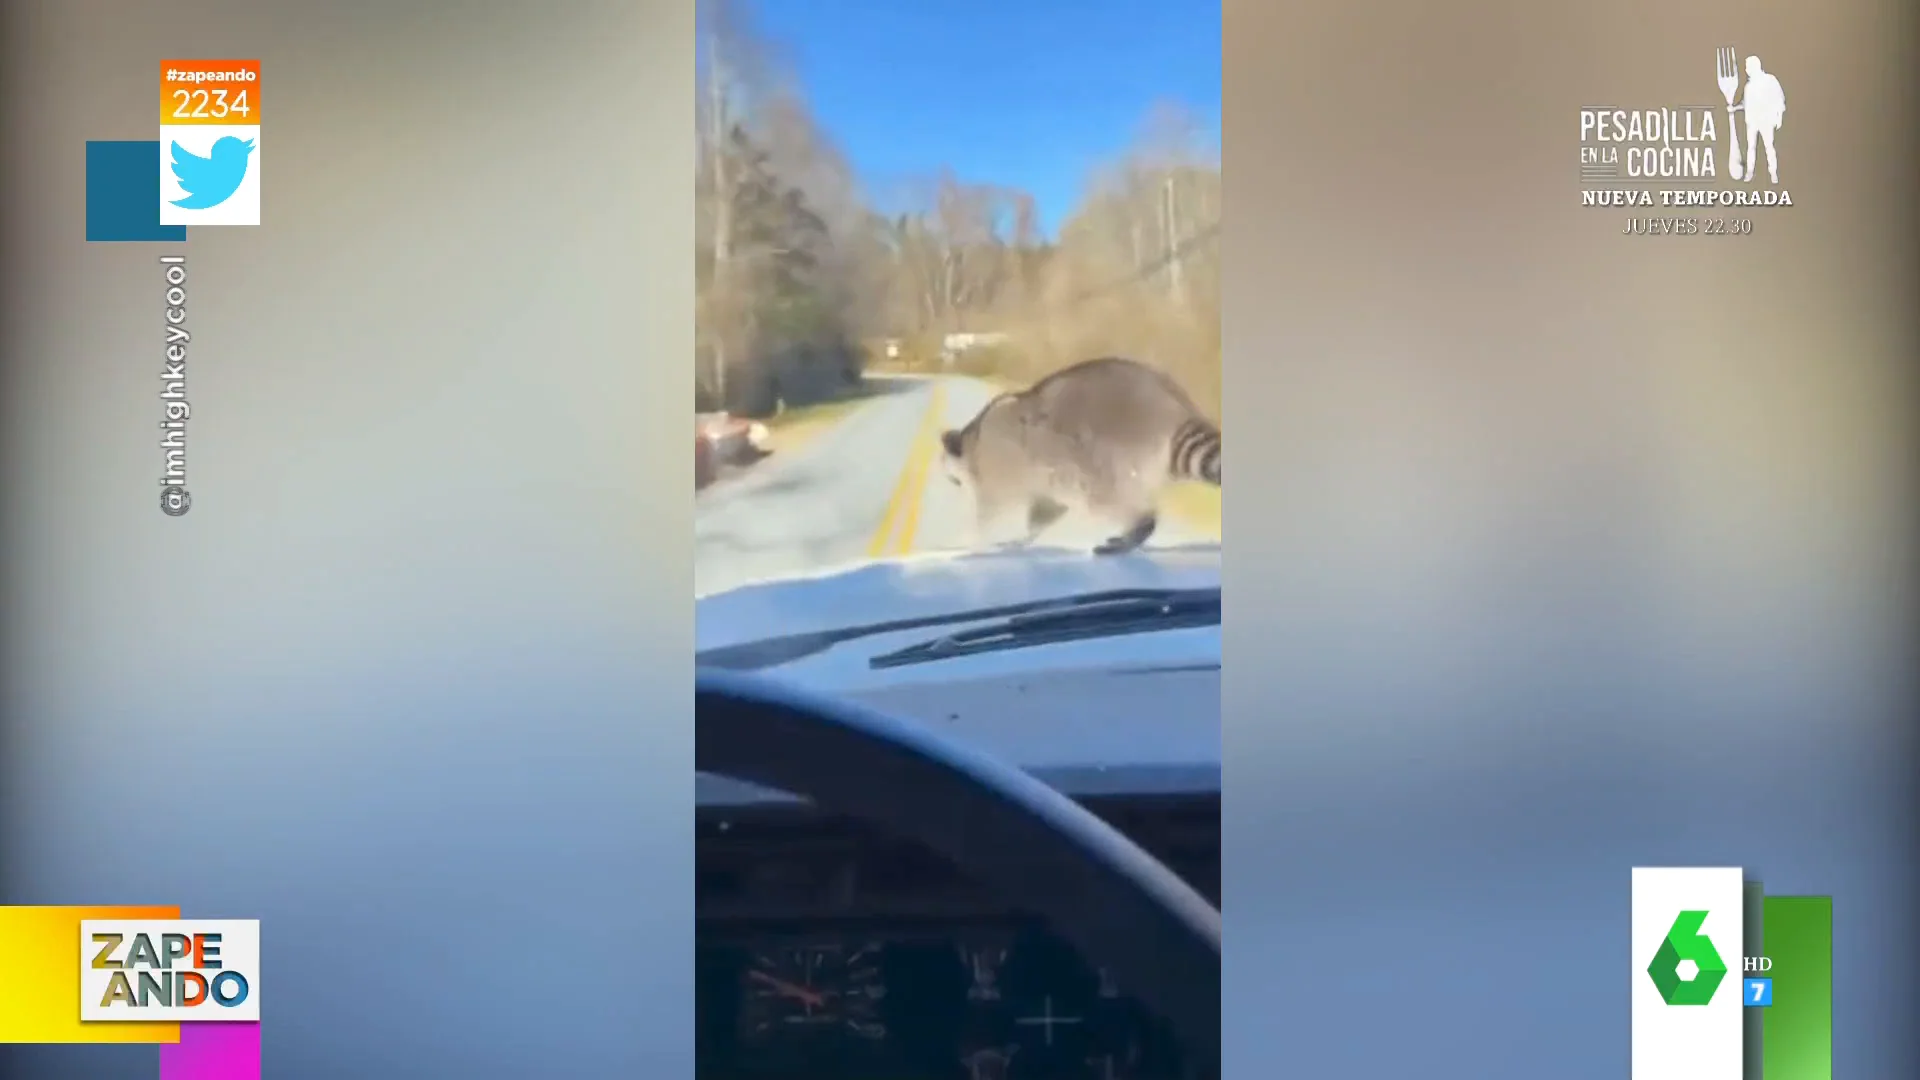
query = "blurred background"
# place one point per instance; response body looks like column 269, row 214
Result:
column 1573, row 551
column 389, row 685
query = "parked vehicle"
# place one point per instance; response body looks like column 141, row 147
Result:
column 705, row 470
column 722, row 440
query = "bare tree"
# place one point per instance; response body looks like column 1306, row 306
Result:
column 785, row 271
column 739, row 70
column 963, row 255
column 794, row 266
column 1135, row 268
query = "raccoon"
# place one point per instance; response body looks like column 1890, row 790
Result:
column 1102, row 437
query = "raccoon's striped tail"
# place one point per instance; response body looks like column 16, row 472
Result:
column 1196, row 451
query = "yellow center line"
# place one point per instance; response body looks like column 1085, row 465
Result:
column 903, row 506
column 916, row 492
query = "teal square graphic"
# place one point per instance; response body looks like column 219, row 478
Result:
column 123, row 194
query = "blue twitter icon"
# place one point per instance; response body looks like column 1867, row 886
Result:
column 212, row 180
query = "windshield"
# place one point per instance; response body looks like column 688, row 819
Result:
column 870, row 280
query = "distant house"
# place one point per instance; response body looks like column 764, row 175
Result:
column 953, row 346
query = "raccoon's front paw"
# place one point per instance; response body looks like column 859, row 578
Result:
column 1136, row 535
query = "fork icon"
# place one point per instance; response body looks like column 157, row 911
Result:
column 1727, row 69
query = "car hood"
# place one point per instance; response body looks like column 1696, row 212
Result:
column 944, row 584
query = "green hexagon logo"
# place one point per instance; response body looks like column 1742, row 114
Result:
column 1685, row 942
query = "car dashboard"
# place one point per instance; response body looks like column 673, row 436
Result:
column 828, row 950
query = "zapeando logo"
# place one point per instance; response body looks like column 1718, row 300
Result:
column 169, row 970
column 1686, row 946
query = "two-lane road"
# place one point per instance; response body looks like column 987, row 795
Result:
column 868, row 489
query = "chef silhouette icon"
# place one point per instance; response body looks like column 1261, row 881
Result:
column 1765, row 104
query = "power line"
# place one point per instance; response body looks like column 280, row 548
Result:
column 1178, row 251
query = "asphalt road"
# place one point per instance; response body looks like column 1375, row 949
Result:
column 870, row 488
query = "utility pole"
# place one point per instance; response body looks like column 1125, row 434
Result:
column 722, row 212
column 1170, row 215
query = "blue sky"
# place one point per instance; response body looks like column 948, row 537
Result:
column 1028, row 93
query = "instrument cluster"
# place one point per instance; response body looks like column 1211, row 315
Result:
column 1009, row 1002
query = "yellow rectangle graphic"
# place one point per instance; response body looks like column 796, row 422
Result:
column 40, row 977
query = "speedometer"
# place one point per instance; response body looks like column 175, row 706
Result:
column 801, row 990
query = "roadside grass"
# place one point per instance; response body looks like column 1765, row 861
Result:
column 1195, row 506
column 796, row 426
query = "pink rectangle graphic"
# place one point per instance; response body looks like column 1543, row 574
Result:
column 206, row 1051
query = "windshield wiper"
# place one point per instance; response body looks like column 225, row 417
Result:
column 1097, row 614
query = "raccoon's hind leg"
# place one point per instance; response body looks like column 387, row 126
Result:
column 1135, row 535
column 1125, row 500
column 1000, row 521
column 1043, row 512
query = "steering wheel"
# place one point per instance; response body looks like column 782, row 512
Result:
column 1044, row 853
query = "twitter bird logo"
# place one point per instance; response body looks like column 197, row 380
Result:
column 210, row 181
